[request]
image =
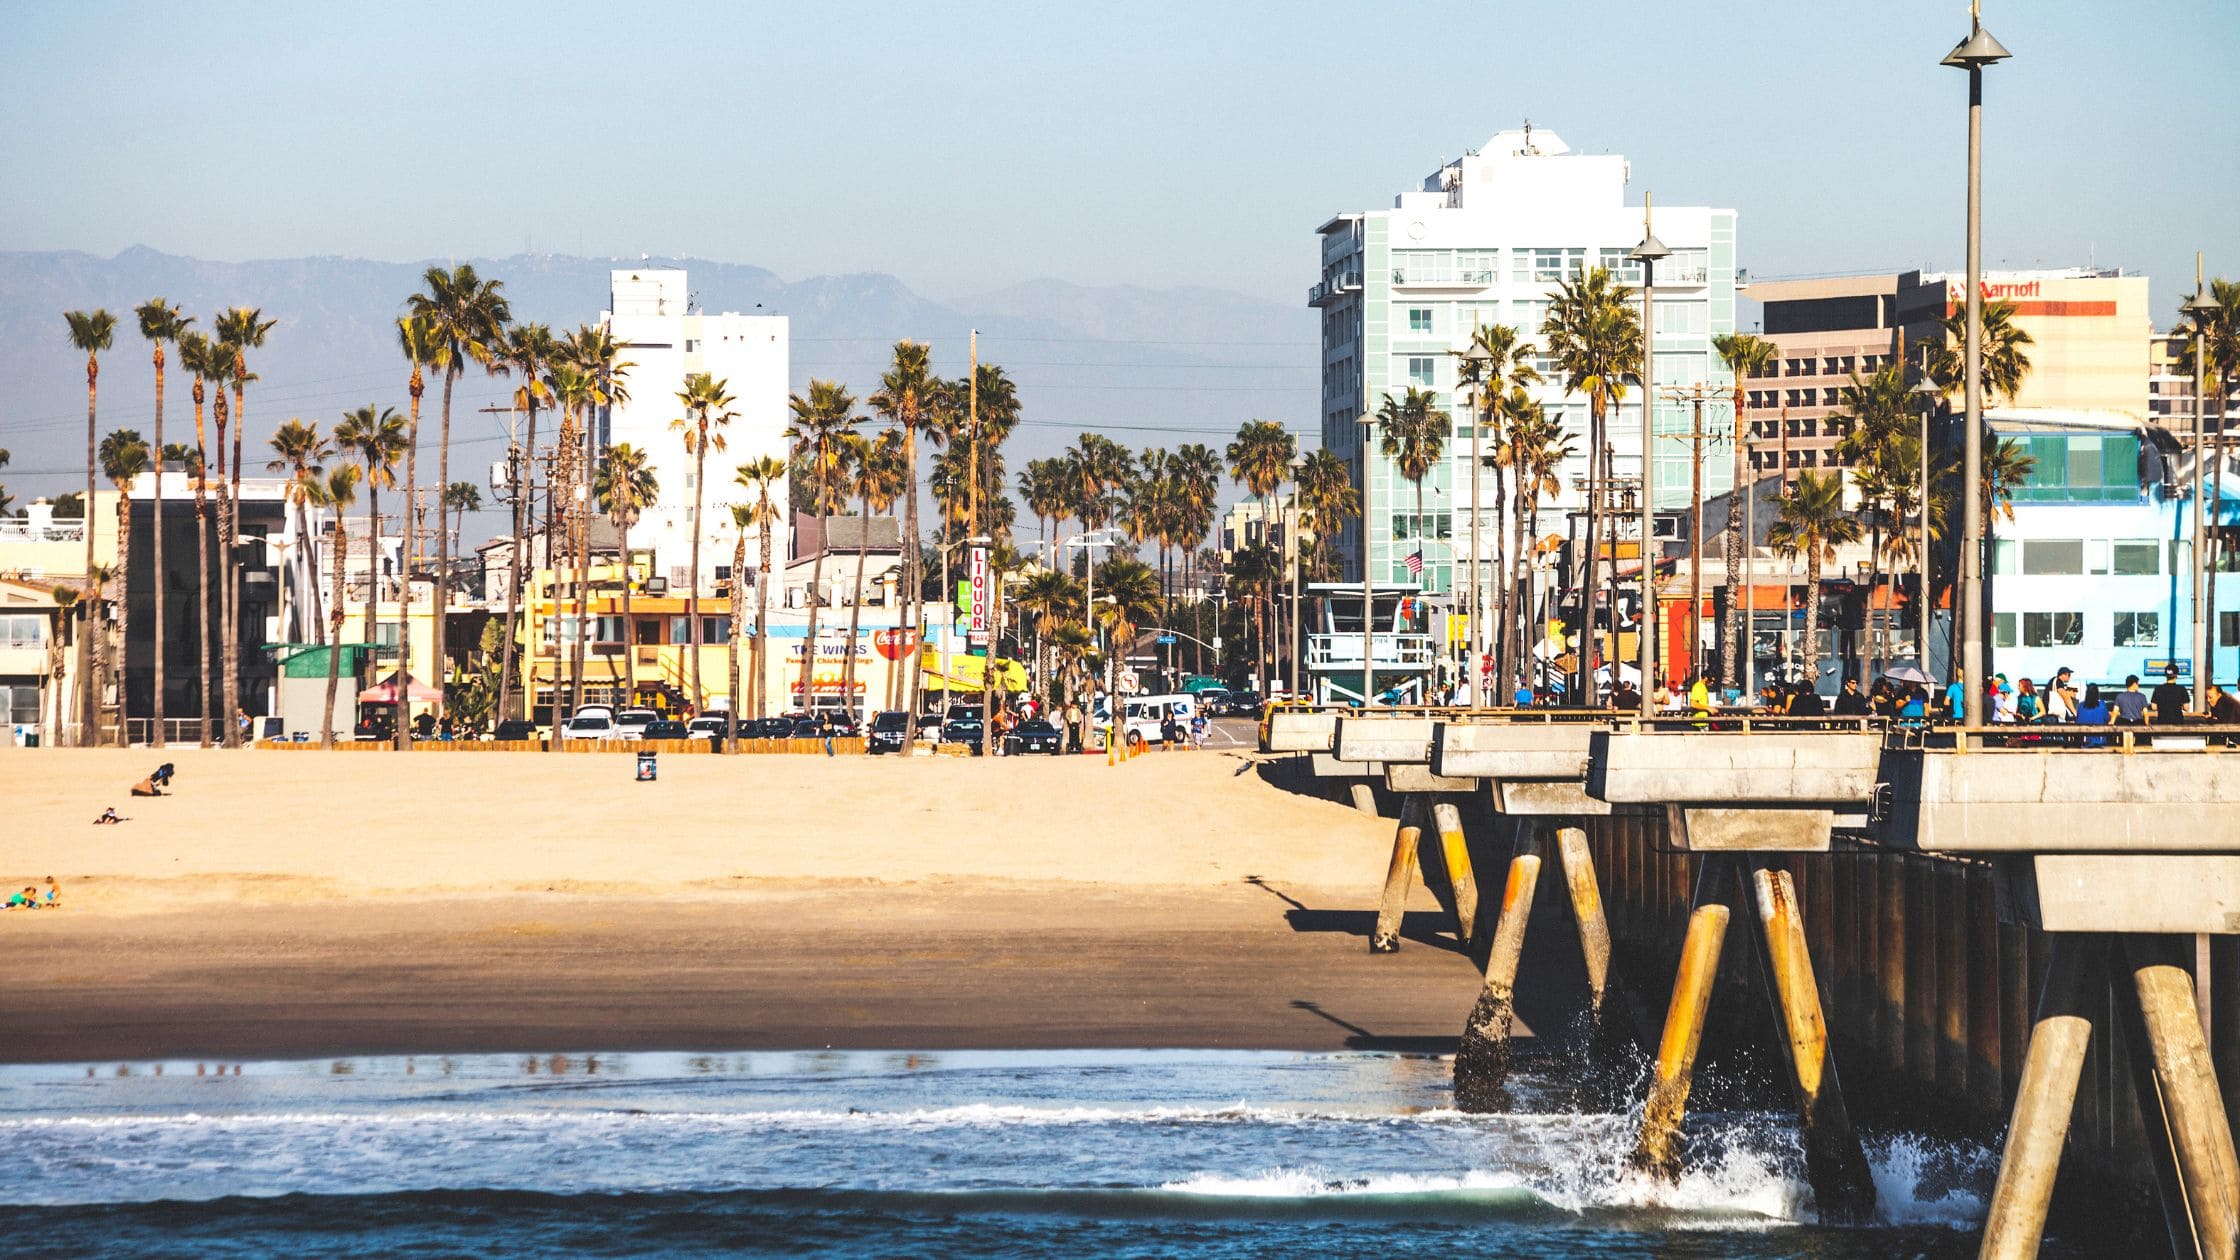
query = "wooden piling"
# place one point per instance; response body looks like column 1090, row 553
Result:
column 1481, row 1060
column 1364, row 797
column 1920, row 963
column 1586, row 909
column 1460, row 878
column 1953, row 975
column 2224, row 1017
column 1835, row 1163
column 1399, row 880
column 2046, row 1100
column 2180, row 1090
column 1657, row 1150
column 1890, row 960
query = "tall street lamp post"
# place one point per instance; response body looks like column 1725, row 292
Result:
column 1481, row 401
column 1975, row 52
column 1926, row 395
column 1291, row 544
column 2203, row 309
column 1647, row 253
column 1368, row 424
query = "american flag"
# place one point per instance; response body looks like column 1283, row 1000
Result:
column 1415, row 563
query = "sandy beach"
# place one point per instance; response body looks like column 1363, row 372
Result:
column 286, row 904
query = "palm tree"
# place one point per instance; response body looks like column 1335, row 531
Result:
column 1594, row 333
column 422, row 341
column 760, row 477
column 597, row 359
column 378, row 438
column 1879, row 443
column 1542, row 448
column 625, row 488
column 66, row 612
column 1128, row 596
column 1520, row 422
column 91, row 333
column 241, row 330
column 877, row 478
column 1096, row 469
column 742, row 515
column 572, row 393
column 160, row 322
column 300, row 451
column 1259, row 460
column 821, row 426
column 464, row 318
column 707, row 406
column 338, row 491
column 124, row 456
column 2005, row 364
column 199, row 356
column 1042, row 487
column 1811, row 521
column 1197, row 470
column 910, row 400
column 460, row 498
column 529, row 352
column 1412, row 433
column 1497, row 368
column 1746, row 356
column 1050, row 598
column 2219, row 333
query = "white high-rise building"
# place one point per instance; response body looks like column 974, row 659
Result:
column 666, row 340
column 1487, row 240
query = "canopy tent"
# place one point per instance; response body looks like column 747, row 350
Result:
column 385, row 692
column 966, row 671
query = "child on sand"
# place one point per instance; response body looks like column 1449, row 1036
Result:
column 28, row 899
column 53, row 899
column 108, row 816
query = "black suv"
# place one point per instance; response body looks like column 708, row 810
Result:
column 887, row 731
column 1033, row 736
column 515, row 729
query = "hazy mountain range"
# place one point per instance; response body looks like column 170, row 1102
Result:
column 1150, row 367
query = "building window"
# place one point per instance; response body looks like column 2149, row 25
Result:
column 2228, row 628
column 1419, row 320
column 2002, row 630
column 2138, row 629
column 2053, row 557
column 2052, row 629
column 2137, row 559
column 1421, row 370
column 23, row 631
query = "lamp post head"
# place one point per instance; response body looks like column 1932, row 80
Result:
column 1650, row 250
column 1978, row 50
column 2202, row 308
column 1476, row 354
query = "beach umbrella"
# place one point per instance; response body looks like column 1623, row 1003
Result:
column 385, row 692
column 1907, row 673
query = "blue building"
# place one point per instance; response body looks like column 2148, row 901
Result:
column 2094, row 573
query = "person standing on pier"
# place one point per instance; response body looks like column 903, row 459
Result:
column 1956, row 696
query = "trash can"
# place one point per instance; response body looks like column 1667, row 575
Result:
column 647, row 771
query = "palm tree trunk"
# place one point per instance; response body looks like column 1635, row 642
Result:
column 89, row 726
column 582, row 546
column 809, row 644
column 731, row 646
column 762, row 628
column 334, row 640
column 1812, row 617
column 1730, row 642
column 914, row 573
column 404, row 576
column 855, row 608
column 156, row 567
column 630, row 627
column 124, row 613
column 373, row 579
column 1502, row 625
column 1590, row 573
column 441, row 649
column 692, row 590
column 223, row 546
column 202, row 594
column 232, row 572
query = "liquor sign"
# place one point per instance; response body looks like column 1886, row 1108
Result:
column 979, row 578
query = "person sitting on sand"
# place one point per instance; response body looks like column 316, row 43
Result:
column 162, row 776
column 147, row 787
column 108, row 817
column 28, row 899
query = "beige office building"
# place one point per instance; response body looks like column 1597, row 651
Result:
column 2089, row 332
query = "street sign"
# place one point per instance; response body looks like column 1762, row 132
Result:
column 1128, row 683
column 2183, row 664
column 1166, row 640
column 979, row 579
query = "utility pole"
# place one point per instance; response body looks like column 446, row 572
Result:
column 1696, row 436
column 515, row 495
column 1647, row 253
column 981, row 599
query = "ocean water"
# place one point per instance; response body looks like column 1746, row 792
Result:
column 892, row 1154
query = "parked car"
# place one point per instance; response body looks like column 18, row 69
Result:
column 703, row 726
column 887, row 731
column 962, row 731
column 1239, row 704
column 664, row 728
column 632, row 723
column 589, row 724
column 1035, row 735
column 515, row 728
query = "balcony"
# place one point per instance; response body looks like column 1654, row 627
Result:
column 1441, row 278
column 1334, row 287
column 25, row 532
column 1340, row 652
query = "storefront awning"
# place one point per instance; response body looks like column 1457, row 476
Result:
column 965, row 672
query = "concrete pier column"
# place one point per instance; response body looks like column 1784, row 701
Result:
column 2224, row 1017
column 1456, row 853
column 1586, row 908
column 1657, row 1150
column 2180, row 1089
column 1921, row 969
column 1364, row 797
column 2075, row 981
column 1949, row 879
column 1481, row 1061
column 1986, row 1083
column 1835, row 1163
column 1399, row 879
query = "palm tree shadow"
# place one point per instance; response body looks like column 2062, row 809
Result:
column 1424, row 927
column 1359, row 1038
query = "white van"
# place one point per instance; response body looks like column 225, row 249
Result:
column 1144, row 716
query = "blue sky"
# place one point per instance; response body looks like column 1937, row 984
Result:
column 967, row 147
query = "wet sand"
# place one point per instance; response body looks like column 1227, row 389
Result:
column 294, row 904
